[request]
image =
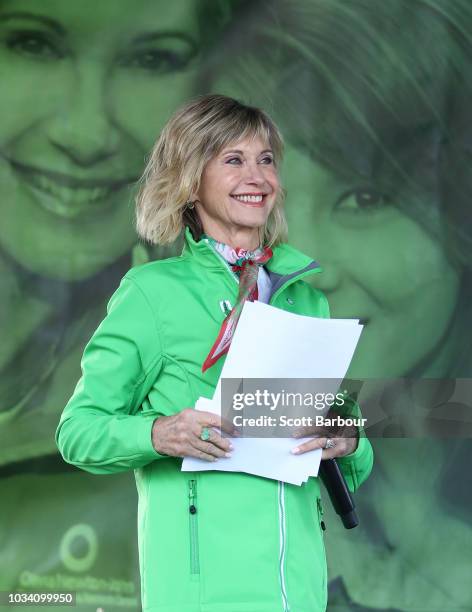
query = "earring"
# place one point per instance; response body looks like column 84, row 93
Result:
column 190, row 205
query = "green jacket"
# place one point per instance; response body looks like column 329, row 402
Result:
column 253, row 544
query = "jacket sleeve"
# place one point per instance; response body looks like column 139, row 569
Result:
column 357, row 466
column 103, row 429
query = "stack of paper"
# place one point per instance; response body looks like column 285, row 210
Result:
column 272, row 343
column 268, row 457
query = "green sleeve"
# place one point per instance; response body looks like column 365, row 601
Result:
column 103, row 429
column 357, row 466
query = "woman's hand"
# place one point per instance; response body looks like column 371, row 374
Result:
column 179, row 435
column 338, row 447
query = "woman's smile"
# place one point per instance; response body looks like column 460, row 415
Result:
column 256, row 200
column 66, row 195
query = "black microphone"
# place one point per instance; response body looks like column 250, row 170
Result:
column 339, row 494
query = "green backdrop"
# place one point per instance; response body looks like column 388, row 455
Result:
column 373, row 98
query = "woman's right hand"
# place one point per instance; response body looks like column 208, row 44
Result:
column 179, row 435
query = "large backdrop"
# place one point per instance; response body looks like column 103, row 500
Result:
column 373, row 98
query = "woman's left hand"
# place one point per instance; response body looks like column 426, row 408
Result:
column 338, row 447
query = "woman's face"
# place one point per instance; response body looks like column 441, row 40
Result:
column 86, row 86
column 237, row 192
column 378, row 265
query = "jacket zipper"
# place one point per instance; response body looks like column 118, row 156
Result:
column 320, row 514
column 321, row 523
column 283, row 544
column 193, row 527
column 281, row 485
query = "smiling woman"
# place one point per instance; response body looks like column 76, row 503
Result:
column 239, row 184
column 78, row 105
column 81, row 84
column 215, row 164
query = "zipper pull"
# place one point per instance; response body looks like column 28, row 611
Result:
column 192, row 496
column 320, row 514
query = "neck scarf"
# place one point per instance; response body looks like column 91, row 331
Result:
column 245, row 264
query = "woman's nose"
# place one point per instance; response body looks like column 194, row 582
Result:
column 253, row 174
column 84, row 130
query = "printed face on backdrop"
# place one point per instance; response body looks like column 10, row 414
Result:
column 86, row 86
column 238, row 189
column 379, row 265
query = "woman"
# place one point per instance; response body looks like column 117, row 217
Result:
column 375, row 104
column 214, row 169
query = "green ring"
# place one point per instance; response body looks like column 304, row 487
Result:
column 205, row 435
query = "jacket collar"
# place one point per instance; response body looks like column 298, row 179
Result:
column 286, row 260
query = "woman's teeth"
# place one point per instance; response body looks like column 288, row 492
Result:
column 67, row 196
column 249, row 198
column 74, row 196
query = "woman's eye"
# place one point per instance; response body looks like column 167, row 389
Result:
column 234, row 161
column 362, row 199
column 34, row 44
column 267, row 160
column 162, row 60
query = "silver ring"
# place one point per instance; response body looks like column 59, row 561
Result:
column 329, row 443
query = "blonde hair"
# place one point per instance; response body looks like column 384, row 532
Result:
column 195, row 134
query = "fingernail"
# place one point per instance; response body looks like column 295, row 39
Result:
column 228, row 455
column 231, row 446
column 296, row 450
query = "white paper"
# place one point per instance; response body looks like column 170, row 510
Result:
column 272, row 343
column 268, row 457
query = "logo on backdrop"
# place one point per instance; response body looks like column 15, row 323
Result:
column 79, row 547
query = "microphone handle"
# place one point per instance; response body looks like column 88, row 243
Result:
column 338, row 492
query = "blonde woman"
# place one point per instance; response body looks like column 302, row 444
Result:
column 213, row 541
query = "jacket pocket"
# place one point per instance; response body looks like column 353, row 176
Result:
column 193, row 528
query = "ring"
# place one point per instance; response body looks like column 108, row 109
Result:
column 205, row 434
column 329, row 443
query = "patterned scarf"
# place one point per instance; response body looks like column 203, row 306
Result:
column 245, row 264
